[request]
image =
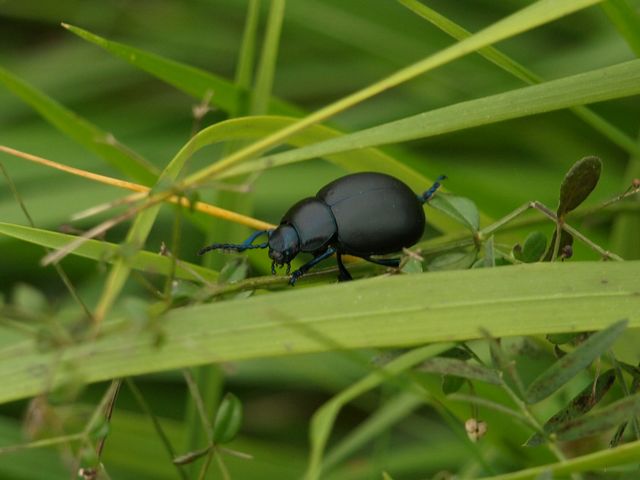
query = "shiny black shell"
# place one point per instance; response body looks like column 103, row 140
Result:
column 361, row 214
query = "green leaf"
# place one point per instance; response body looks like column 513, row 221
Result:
column 573, row 363
column 192, row 81
column 451, row 384
column 599, row 421
column 535, row 245
column 588, row 398
column 400, row 310
column 82, row 131
column 452, row 261
column 578, row 183
column 460, row 209
column 228, row 419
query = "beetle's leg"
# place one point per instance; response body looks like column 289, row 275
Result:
column 344, row 273
column 385, row 262
column 424, row 198
column 246, row 245
column 310, row 264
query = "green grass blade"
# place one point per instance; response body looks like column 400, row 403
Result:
column 607, row 83
column 81, row 131
column 573, row 363
column 139, row 231
column 246, row 58
column 378, row 312
column 520, row 71
column 602, row 460
column 323, row 420
column 190, row 80
column 391, row 412
column 626, row 20
column 537, row 14
column 108, row 252
column 267, row 67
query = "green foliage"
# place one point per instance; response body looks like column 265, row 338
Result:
column 490, row 320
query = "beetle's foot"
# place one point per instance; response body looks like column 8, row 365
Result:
column 273, row 267
column 344, row 277
column 294, row 277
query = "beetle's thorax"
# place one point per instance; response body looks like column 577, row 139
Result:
column 284, row 245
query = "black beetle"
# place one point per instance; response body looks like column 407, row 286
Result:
column 362, row 214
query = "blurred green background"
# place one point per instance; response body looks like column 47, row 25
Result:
column 328, row 49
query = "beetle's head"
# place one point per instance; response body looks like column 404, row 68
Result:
column 284, row 245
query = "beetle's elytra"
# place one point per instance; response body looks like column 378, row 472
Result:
column 362, row 214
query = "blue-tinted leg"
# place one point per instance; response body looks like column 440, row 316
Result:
column 246, row 245
column 310, row 264
column 429, row 193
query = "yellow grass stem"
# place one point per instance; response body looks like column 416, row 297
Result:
column 142, row 190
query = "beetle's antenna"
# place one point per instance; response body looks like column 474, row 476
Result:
column 238, row 247
column 426, row 196
column 231, row 246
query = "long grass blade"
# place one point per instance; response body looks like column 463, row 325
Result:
column 379, row 312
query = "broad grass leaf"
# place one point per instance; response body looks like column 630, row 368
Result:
column 394, row 311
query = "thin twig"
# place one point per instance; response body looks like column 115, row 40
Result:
column 137, row 394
